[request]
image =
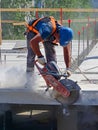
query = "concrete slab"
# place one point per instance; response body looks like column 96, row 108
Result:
column 87, row 77
column 13, row 79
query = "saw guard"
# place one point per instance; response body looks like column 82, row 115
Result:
column 59, row 87
column 52, row 81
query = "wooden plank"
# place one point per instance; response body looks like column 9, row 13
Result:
column 48, row 9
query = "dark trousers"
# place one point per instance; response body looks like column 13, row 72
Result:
column 49, row 51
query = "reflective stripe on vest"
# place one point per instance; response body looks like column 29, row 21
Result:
column 52, row 19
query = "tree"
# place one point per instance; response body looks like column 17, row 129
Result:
column 13, row 32
column 67, row 3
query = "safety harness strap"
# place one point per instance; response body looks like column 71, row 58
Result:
column 53, row 24
column 32, row 27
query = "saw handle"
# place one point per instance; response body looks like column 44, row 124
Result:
column 65, row 75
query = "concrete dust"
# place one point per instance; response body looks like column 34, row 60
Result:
column 12, row 77
column 32, row 81
column 16, row 78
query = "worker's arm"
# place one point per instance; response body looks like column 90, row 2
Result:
column 35, row 47
column 34, row 43
column 67, row 55
column 67, row 58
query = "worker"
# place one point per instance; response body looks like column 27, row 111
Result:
column 48, row 31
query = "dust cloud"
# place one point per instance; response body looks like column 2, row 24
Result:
column 11, row 77
column 15, row 77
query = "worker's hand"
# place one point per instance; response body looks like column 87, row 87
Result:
column 68, row 71
column 41, row 60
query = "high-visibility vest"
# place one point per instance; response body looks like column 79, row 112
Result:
column 33, row 28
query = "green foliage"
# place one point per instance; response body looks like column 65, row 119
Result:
column 16, row 32
column 67, row 3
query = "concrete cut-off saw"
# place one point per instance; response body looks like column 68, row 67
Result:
column 64, row 90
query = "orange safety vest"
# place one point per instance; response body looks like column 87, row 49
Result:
column 32, row 27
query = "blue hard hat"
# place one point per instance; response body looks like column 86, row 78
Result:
column 66, row 35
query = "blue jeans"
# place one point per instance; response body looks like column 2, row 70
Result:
column 49, row 51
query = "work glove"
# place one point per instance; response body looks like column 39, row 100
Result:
column 41, row 60
column 68, row 71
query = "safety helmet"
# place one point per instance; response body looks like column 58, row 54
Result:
column 66, row 35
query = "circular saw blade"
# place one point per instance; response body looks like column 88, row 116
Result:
column 74, row 92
